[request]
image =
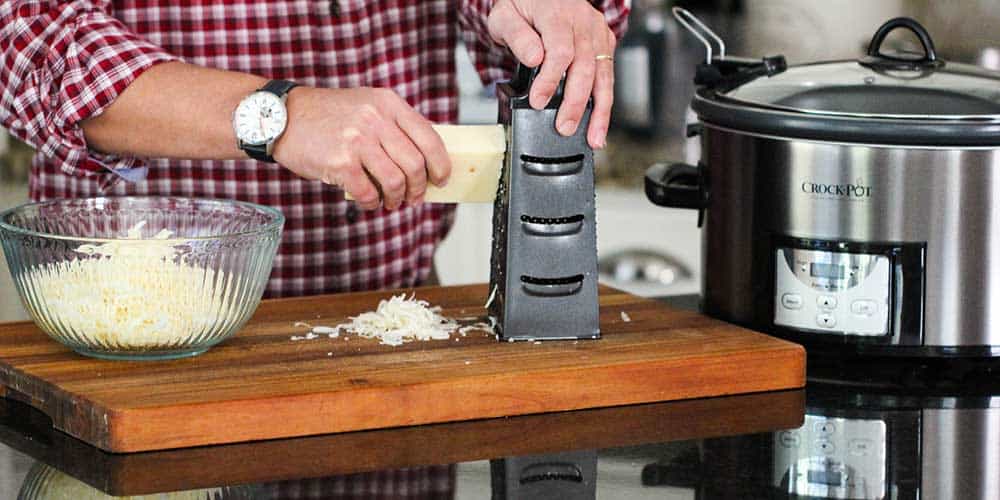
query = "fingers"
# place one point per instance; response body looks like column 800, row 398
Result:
column 435, row 156
column 572, row 44
column 388, row 176
column 579, row 82
column 407, row 158
column 557, row 37
column 356, row 181
column 508, row 27
column 604, row 94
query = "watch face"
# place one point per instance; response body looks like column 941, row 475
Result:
column 260, row 118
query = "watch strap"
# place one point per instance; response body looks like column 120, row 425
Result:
column 260, row 152
column 278, row 87
column 257, row 152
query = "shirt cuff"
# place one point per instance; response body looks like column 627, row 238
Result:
column 100, row 59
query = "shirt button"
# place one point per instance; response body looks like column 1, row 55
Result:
column 352, row 213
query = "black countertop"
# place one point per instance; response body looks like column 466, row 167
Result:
column 829, row 441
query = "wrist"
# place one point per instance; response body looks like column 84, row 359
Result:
column 261, row 118
column 294, row 101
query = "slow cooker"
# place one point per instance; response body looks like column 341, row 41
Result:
column 851, row 206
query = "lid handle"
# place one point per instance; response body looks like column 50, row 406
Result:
column 877, row 59
column 702, row 32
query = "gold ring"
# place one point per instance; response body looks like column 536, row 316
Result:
column 604, row 57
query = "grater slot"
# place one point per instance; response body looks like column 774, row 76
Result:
column 551, row 471
column 552, row 226
column 547, row 165
column 552, row 287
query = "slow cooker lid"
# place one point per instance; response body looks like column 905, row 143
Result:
column 892, row 99
column 854, row 89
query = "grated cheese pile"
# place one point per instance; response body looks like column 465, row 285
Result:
column 132, row 294
column 397, row 321
column 400, row 319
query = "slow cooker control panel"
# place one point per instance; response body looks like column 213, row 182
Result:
column 832, row 292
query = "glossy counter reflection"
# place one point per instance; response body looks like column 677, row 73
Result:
column 609, row 430
column 869, row 442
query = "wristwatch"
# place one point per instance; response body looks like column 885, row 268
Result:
column 260, row 119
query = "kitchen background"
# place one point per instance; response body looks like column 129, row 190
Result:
column 646, row 249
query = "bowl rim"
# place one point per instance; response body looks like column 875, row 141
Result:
column 277, row 223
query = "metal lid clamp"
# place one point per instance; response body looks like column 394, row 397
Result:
column 722, row 71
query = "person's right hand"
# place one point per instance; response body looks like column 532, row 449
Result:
column 368, row 141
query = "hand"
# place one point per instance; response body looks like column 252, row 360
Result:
column 564, row 36
column 367, row 141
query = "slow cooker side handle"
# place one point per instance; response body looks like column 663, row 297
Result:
column 677, row 185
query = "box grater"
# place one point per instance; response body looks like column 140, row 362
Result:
column 543, row 276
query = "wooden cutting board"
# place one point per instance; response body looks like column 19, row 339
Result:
column 261, row 384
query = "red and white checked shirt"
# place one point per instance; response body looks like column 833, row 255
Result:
column 65, row 61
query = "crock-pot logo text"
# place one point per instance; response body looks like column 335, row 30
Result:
column 852, row 191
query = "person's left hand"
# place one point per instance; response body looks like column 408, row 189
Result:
column 564, row 36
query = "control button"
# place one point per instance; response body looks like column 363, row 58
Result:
column 864, row 307
column 827, row 301
column 826, row 320
column 789, row 439
column 791, row 301
column 861, row 447
column 824, row 428
column 825, row 447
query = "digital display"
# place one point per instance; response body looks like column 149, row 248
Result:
column 821, row 270
column 827, row 477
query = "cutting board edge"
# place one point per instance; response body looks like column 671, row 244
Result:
column 63, row 411
column 129, row 429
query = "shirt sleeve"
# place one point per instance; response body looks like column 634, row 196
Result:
column 64, row 62
column 495, row 62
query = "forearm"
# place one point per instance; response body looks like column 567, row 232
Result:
column 174, row 110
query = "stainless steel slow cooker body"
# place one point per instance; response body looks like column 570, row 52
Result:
column 850, row 206
column 929, row 214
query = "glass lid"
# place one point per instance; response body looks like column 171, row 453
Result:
column 888, row 99
column 873, row 88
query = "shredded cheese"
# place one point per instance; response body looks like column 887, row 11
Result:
column 400, row 319
column 474, row 327
column 133, row 294
column 396, row 321
column 493, row 295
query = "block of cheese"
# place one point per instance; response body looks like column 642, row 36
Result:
column 477, row 154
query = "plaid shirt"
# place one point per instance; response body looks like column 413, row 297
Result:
column 65, row 61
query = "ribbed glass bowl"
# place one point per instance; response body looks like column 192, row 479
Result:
column 140, row 277
column 47, row 483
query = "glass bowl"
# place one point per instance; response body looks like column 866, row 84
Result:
column 47, row 483
column 140, row 277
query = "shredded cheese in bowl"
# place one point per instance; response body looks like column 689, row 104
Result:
column 132, row 294
column 132, row 297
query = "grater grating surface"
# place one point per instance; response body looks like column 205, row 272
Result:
column 543, row 266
